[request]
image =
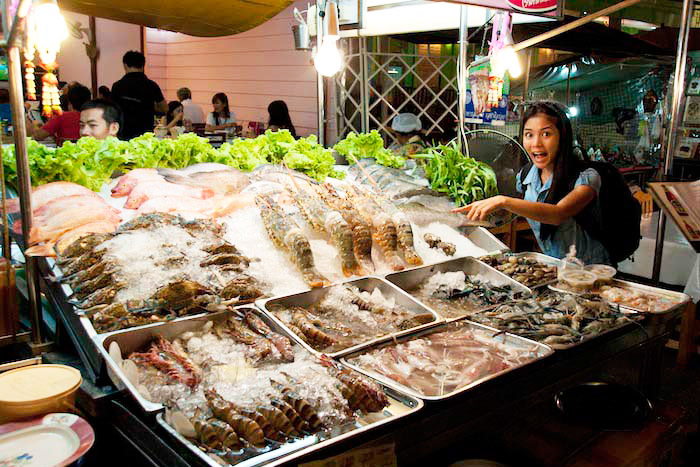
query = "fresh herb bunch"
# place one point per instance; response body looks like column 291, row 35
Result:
column 464, row 179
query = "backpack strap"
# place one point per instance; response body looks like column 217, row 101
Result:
column 524, row 171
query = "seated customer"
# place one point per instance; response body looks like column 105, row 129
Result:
column 221, row 118
column 193, row 112
column 175, row 115
column 104, row 93
column 100, row 118
column 67, row 125
column 279, row 117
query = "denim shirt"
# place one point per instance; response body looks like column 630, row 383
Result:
column 588, row 249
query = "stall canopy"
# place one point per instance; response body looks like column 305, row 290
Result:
column 584, row 73
column 200, row 18
column 589, row 39
column 667, row 38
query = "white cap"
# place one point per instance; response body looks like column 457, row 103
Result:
column 406, row 123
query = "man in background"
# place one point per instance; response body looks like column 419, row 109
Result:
column 139, row 97
column 100, row 118
column 193, row 112
column 67, row 125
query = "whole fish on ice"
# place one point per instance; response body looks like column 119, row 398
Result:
column 223, row 182
column 67, row 214
column 43, row 194
column 392, row 183
column 142, row 192
column 129, row 181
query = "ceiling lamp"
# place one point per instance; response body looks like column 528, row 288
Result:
column 328, row 59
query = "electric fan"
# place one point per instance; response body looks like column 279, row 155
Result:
column 505, row 156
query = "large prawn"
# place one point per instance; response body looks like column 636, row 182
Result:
column 361, row 229
column 323, row 219
column 383, row 227
column 284, row 232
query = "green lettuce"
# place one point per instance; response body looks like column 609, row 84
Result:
column 359, row 146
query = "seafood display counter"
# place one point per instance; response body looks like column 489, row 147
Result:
column 372, row 331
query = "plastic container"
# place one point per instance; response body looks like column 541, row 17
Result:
column 37, row 389
column 578, row 279
column 160, row 131
column 603, row 272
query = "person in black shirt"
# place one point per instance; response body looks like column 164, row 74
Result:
column 139, row 97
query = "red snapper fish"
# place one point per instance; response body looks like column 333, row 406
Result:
column 142, row 192
column 127, row 182
column 63, row 215
column 43, row 194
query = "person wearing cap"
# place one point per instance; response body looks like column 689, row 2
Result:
column 407, row 129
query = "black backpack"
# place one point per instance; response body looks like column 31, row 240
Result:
column 621, row 213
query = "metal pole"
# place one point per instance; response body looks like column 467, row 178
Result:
column 364, row 85
column 24, row 185
column 321, row 99
column 568, row 84
column 528, row 64
column 462, row 72
column 678, row 90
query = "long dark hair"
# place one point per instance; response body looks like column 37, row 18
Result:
column 221, row 97
column 172, row 107
column 279, row 116
column 566, row 166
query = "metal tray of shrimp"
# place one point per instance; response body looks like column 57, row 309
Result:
column 536, row 350
column 131, row 340
column 535, row 256
column 305, row 299
column 409, row 281
column 400, row 405
column 137, row 338
column 675, row 300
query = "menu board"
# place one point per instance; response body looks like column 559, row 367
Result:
column 681, row 202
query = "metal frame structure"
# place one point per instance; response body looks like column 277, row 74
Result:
column 672, row 138
column 365, row 89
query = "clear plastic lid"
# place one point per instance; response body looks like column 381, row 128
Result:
column 602, row 271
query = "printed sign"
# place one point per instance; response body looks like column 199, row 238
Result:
column 533, row 6
column 548, row 8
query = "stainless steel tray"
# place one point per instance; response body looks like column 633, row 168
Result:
column 305, row 299
column 540, row 258
column 632, row 315
column 411, row 279
column 135, row 339
column 680, row 298
column 131, row 340
column 482, row 238
column 539, row 351
column 400, row 405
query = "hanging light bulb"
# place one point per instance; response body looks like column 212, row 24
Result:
column 328, row 59
column 504, row 57
column 49, row 29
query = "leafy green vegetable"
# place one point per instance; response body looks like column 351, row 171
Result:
column 464, row 179
column 90, row 162
column 359, row 146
